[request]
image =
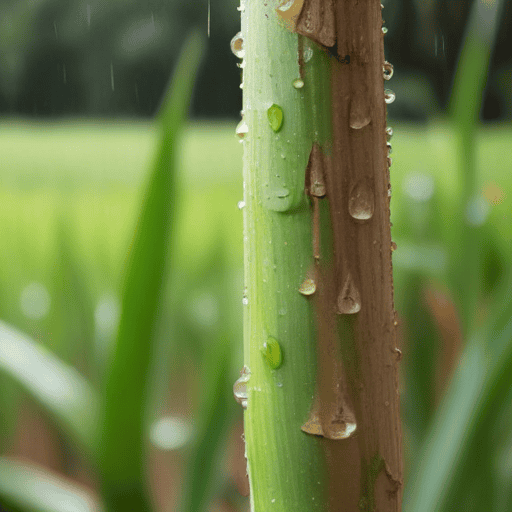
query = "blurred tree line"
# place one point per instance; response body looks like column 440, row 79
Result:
column 114, row 57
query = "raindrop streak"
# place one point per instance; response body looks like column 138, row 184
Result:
column 389, row 133
column 361, row 201
column 208, row 19
column 242, row 129
column 389, row 96
column 298, row 83
column 275, row 117
column 112, row 76
column 271, row 351
column 349, row 300
column 308, row 287
column 387, row 70
column 359, row 112
column 240, row 387
column 88, row 15
column 237, row 45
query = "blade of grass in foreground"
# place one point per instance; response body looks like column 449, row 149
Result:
column 122, row 449
column 477, row 391
column 33, row 488
column 59, row 388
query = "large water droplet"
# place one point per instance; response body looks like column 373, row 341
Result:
column 387, row 69
column 272, row 353
column 349, row 300
column 275, row 117
column 389, row 133
column 389, row 148
column 240, row 387
column 340, row 426
column 237, row 46
column 361, row 201
column 384, row 30
column 242, row 129
column 315, row 183
column 298, row 83
column 359, row 112
column 308, row 287
column 389, row 96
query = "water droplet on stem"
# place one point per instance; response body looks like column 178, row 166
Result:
column 240, row 387
column 308, row 287
column 387, row 69
column 272, row 353
column 275, row 117
column 237, row 45
column 361, row 201
column 349, row 300
column 389, row 96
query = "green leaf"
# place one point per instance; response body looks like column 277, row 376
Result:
column 477, row 392
column 59, row 388
column 126, row 388
column 34, row 488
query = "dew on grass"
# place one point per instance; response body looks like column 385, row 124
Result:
column 275, row 117
column 298, row 83
column 240, row 387
column 308, row 287
column 237, row 45
column 272, row 353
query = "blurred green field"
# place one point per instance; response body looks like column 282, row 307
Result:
column 70, row 192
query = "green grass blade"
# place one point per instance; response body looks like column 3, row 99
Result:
column 32, row 488
column 476, row 394
column 126, row 387
column 59, row 388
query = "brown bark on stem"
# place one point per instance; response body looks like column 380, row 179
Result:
column 355, row 296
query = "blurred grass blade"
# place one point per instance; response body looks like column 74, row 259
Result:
column 476, row 395
column 126, row 388
column 32, row 488
column 465, row 105
column 59, row 388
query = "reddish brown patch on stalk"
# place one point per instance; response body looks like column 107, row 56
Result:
column 359, row 285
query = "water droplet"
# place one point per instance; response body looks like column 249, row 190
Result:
column 390, row 162
column 315, row 172
column 242, row 129
column 387, row 69
column 359, row 112
column 384, row 30
column 393, row 246
column 237, row 46
column 241, row 205
column 389, row 96
column 390, row 149
column 389, row 133
column 349, row 300
column 298, row 83
column 283, row 156
column 279, row 384
column 245, row 300
column 361, row 201
column 273, row 500
column 275, row 117
column 272, row 353
column 240, row 387
column 308, row 53
column 308, row 287
column 340, row 426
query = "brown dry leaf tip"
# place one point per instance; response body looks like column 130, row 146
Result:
column 315, row 179
column 349, row 300
column 317, row 22
column 341, row 425
column 359, row 112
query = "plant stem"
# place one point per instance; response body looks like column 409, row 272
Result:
column 318, row 271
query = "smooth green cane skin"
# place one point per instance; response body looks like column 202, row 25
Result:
column 285, row 466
